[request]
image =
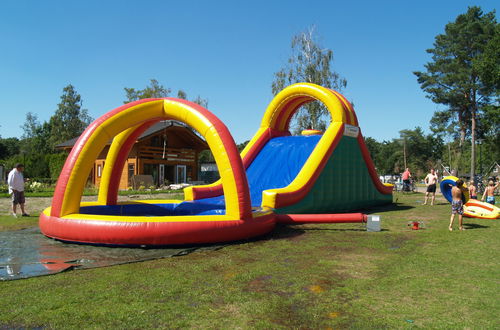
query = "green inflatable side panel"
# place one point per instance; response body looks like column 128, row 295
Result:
column 343, row 185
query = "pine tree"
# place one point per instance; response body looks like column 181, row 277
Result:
column 453, row 77
column 70, row 119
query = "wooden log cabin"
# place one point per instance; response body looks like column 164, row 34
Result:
column 167, row 152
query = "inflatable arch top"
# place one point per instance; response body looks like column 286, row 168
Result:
column 125, row 124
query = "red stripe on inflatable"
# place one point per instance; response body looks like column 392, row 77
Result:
column 207, row 192
column 114, row 182
column 153, row 233
column 348, row 107
column 371, row 167
column 287, row 111
column 469, row 203
column 320, row 218
column 62, row 182
column 297, row 106
column 257, row 147
column 290, row 198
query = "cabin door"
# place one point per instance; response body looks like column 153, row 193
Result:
column 161, row 176
column 180, row 174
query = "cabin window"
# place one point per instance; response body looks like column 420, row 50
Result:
column 159, row 141
column 155, row 141
column 131, row 170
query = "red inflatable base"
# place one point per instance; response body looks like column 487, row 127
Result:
column 123, row 233
column 320, row 218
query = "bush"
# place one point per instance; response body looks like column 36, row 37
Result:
column 56, row 163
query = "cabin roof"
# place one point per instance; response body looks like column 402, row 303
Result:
column 184, row 131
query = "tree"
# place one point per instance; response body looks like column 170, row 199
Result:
column 36, row 135
column 31, row 126
column 201, row 101
column 453, row 76
column 422, row 151
column 242, row 145
column 182, row 94
column 488, row 63
column 311, row 63
column 70, row 119
column 206, row 156
column 373, row 147
column 9, row 147
column 154, row 90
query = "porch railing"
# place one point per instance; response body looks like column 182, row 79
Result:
column 168, row 154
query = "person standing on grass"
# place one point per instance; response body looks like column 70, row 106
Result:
column 430, row 181
column 406, row 179
column 489, row 192
column 472, row 190
column 15, row 181
column 457, row 205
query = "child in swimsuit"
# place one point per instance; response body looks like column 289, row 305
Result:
column 472, row 190
column 489, row 192
column 457, row 206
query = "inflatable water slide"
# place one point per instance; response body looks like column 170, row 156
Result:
column 278, row 177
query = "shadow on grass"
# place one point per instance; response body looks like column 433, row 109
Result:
column 336, row 229
column 284, row 232
column 474, row 226
column 388, row 208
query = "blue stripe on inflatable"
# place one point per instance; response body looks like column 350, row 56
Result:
column 203, row 207
column 446, row 188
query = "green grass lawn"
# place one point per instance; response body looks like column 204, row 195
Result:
column 308, row 276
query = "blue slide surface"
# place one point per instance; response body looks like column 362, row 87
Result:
column 278, row 163
column 275, row 166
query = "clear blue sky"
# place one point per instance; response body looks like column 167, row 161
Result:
column 226, row 51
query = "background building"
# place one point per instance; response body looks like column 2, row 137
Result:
column 166, row 153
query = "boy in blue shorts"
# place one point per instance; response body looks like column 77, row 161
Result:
column 489, row 192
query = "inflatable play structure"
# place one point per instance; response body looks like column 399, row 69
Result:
column 277, row 178
column 472, row 208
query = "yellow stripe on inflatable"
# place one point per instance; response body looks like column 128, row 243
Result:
column 324, row 95
column 109, row 164
column 96, row 142
column 306, row 173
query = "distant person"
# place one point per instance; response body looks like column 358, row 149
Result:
column 15, row 181
column 406, row 179
column 430, row 181
column 489, row 192
column 472, row 190
column 457, row 205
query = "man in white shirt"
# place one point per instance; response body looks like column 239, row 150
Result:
column 15, row 181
